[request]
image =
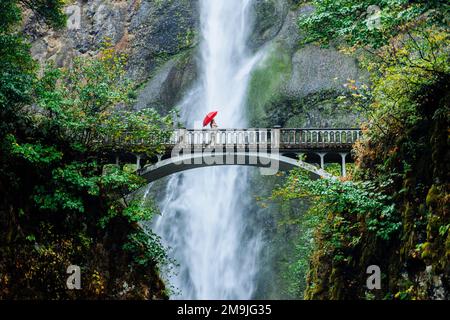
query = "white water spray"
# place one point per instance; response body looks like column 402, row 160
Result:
column 204, row 213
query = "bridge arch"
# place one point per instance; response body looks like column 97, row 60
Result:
column 269, row 163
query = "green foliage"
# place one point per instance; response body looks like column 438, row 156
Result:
column 339, row 215
column 78, row 113
column 86, row 105
column 345, row 200
column 348, row 20
column 146, row 248
column 296, row 271
column 48, row 11
column 143, row 131
column 34, row 153
column 62, row 201
column 15, row 80
column 67, row 186
column 115, row 178
column 401, row 153
column 18, row 68
column 135, row 211
column 11, row 14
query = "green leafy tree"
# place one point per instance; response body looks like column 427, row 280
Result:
column 88, row 105
column 351, row 21
column 63, row 202
column 394, row 211
column 18, row 68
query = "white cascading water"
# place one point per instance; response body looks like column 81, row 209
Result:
column 203, row 219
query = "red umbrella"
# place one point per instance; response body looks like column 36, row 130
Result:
column 209, row 117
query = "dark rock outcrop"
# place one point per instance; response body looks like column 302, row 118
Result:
column 150, row 32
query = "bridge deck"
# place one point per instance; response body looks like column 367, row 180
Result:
column 256, row 147
column 282, row 139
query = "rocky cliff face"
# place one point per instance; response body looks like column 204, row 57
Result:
column 292, row 86
column 156, row 35
column 297, row 85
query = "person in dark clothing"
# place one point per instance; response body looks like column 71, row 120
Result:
column 213, row 124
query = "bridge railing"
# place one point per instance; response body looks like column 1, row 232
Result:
column 319, row 137
column 222, row 136
column 280, row 138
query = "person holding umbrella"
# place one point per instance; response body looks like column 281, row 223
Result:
column 209, row 119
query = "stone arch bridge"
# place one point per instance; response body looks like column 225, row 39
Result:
column 270, row 149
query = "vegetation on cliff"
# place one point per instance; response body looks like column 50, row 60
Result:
column 63, row 201
column 393, row 210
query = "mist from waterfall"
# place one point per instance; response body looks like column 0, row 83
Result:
column 204, row 214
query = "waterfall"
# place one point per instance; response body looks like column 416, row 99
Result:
column 204, row 214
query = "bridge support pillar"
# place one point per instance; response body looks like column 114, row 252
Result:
column 182, row 138
column 275, row 137
column 322, row 160
column 343, row 170
column 138, row 161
